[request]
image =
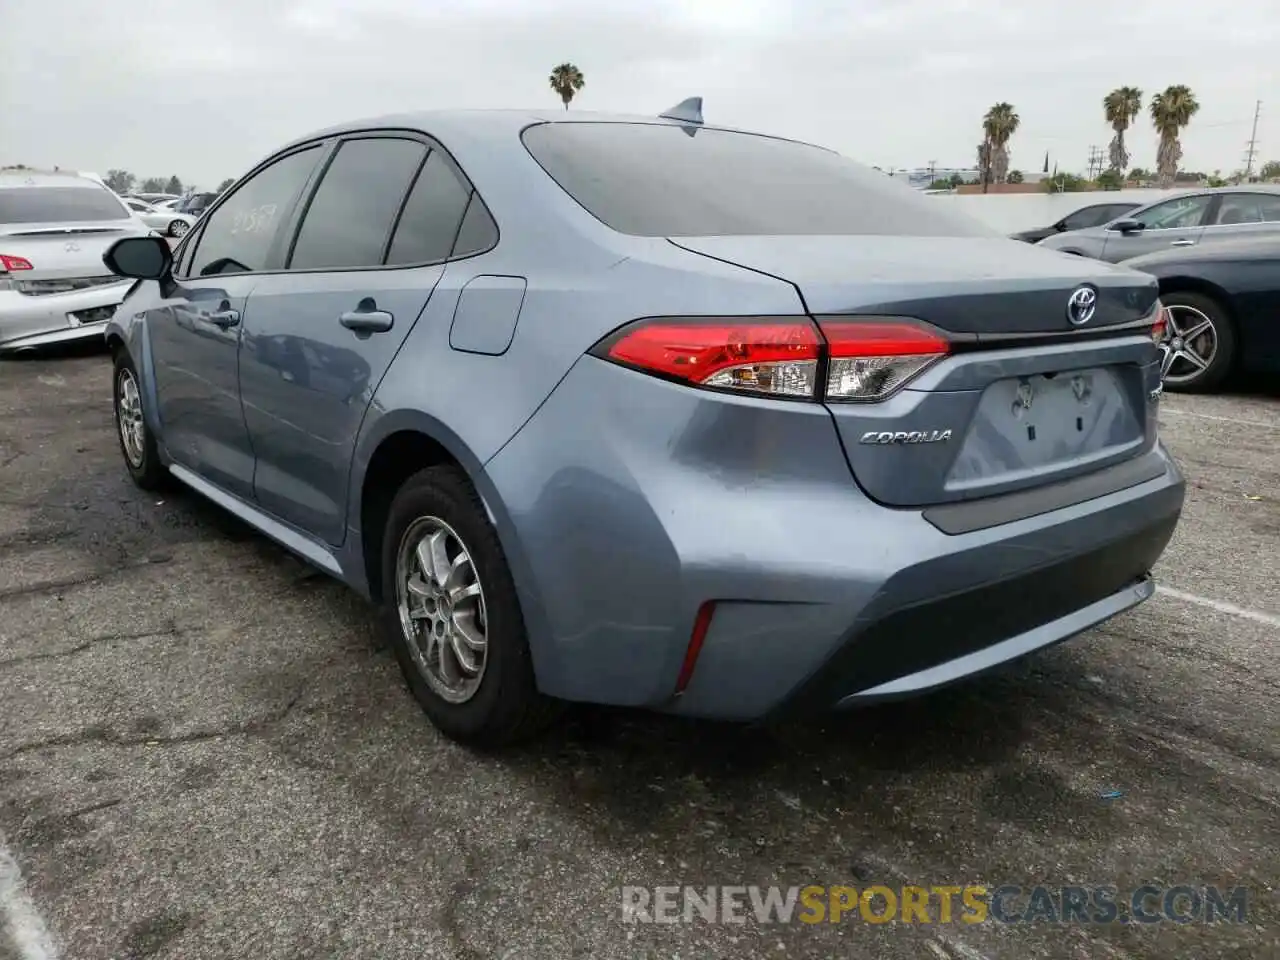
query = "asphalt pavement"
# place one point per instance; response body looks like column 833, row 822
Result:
column 206, row 751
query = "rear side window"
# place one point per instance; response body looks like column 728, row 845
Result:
column 478, row 232
column 59, row 205
column 1249, row 208
column 658, row 180
column 432, row 215
column 354, row 210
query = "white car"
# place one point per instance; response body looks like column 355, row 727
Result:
column 54, row 229
column 161, row 219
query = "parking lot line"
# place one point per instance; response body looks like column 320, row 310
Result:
column 1257, row 616
column 20, row 918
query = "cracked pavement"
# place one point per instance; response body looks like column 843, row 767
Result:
column 205, row 751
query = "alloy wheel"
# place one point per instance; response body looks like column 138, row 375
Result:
column 129, row 418
column 1190, row 344
column 441, row 605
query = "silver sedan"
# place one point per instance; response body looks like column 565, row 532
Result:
column 161, row 219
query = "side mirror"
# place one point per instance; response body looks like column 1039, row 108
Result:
column 1127, row 226
column 1060, row 226
column 139, row 258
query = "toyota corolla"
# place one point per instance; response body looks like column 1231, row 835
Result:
column 646, row 411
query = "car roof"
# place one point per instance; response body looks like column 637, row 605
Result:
column 493, row 125
column 45, row 178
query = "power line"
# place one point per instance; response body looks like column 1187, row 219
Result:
column 1253, row 143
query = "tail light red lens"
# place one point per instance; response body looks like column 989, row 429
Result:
column 871, row 359
column 12, row 263
column 864, row 360
column 773, row 357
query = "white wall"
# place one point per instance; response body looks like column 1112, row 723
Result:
column 1010, row 212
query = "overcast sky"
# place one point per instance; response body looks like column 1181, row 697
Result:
column 205, row 88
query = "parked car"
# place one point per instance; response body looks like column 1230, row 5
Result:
column 166, row 221
column 54, row 229
column 1186, row 220
column 194, row 204
column 591, row 416
column 1222, row 303
column 1093, row 215
column 155, row 198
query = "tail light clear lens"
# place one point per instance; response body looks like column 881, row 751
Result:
column 872, row 359
column 866, row 360
column 1162, row 322
column 11, row 263
column 767, row 356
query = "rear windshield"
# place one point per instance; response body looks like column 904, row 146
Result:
column 657, row 180
column 59, row 205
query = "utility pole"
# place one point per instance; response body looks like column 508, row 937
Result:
column 1095, row 161
column 1253, row 143
column 933, row 165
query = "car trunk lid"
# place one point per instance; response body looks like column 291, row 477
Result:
column 1025, row 397
column 64, row 255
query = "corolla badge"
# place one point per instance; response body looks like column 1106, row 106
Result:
column 1081, row 305
column 906, row 436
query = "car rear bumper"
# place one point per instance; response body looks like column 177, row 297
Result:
column 28, row 322
column 626, row 504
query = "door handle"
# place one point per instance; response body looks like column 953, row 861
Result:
column 223, row 319
column 367, row 321
column 1183, row 243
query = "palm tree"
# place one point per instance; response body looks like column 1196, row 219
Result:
column 1121, row 106
column 1000, row 123
column 566, row 80
column 1171, row 110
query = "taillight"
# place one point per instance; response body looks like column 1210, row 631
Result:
column 770, row 356
column 864, row 360
column 1162, row 322
column 871, row 359
column 11, row 263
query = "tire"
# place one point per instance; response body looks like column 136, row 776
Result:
column 1186, row 312
column 178, row 228
column 137, row 444
column 503, row 705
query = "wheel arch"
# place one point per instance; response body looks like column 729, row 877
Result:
column 398, row 445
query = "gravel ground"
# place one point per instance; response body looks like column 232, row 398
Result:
column 206, row 752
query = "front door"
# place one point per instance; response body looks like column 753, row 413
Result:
column 319, row 337
column 195, row 332
column 1177, row 222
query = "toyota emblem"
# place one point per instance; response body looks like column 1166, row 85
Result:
column 72, row 247
column 1081, row 305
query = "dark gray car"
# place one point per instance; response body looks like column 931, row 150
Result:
column 1186, row 220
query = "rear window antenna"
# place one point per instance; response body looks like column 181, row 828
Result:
column 686, row 111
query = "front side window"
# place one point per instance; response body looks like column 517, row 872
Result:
column 1176, row 214
column 59, row 205
column 240, row 235
column 663, row 180
column 350, row 218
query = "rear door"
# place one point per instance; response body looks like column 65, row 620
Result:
column 369, row 250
